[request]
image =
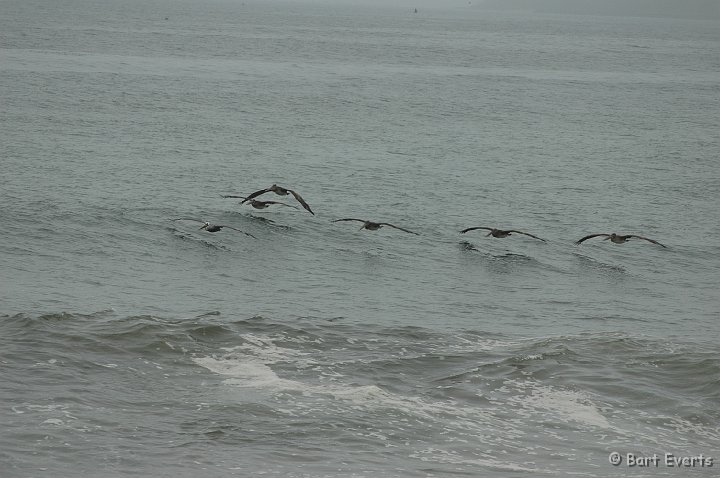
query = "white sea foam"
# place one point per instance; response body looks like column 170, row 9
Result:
column 247, row 372
column 53, row 421
column 447, row 456
column 566, row 405
column 249, row 366
column 265, row 349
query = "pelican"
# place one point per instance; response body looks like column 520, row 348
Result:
column 280, row 191
column 374, row 226
column 499, row 232
column 257, row 204
column 213, row 227
column 619, row 239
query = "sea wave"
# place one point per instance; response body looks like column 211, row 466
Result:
column 465, row 398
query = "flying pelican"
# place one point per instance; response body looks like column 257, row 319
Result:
column 618, row 239
column 280, row 191
column 213, row 227
column 257, row 204
column 499, row 232
column 374, row 226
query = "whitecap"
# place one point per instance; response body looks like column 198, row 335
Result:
column 568, row 404
column 247, row 372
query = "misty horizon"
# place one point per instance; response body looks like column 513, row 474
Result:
column 691, row 9
column 704, row 9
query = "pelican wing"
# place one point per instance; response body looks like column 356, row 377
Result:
column 278, row 202
column 474, row 228
column 234, row 196
column 256, row 194
column 590, row 236
column 396, row 227
column 527, row 234
column 301, row 201
column 349, row 219
column 238, row 230
column 649, row 240
column 188, row 219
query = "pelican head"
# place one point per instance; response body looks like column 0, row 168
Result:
column 204, row 226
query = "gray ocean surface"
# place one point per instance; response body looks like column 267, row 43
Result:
column 135, row 345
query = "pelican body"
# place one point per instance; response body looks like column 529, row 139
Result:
column 257, row 204
column 213, row 227
column 374, row 226
column 218, row 227
column 280, row 191
column 618, row 238
column 500, row 233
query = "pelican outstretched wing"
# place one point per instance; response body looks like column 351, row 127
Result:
column 527, row 234
column 474, row 228
column 238, row 230
column 350, row 219
column 649, row 240
column 396, row 227
column 591, row 236
column 256, row 194
column 234, row 196
column 301, row 201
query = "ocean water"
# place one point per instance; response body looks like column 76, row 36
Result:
column 133, row 344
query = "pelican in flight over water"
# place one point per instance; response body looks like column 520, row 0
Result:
column 618, row 239
column 280, row 191
column 500, row 232
column 257, row 204
column 213, row 227
column 374, row 226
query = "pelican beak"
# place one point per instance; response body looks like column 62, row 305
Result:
column 607, row 238
column 203, row 226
